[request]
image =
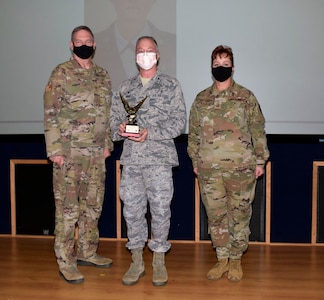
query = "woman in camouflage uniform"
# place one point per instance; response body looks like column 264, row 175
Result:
column 228, row 147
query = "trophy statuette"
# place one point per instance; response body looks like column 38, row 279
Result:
column 132, row 129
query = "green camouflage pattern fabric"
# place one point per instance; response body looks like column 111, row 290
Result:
column 76, row 108
column 77, row 102
column 227, row 196
column 79, row 187
column 226, row 129
column 226, row 142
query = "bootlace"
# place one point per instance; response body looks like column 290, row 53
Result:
column 235, row 265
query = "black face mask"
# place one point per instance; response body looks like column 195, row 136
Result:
column 83, row 51
column 222, row 73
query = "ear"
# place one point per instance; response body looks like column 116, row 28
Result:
column 71, row 46
column 94, row 45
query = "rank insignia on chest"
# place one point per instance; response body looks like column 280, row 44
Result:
column 217, row 104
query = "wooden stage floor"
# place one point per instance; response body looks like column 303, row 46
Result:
column 28, row 270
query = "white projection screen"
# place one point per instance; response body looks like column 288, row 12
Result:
column 278, row 50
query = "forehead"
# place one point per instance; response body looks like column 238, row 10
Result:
column 82, row 34
column 222, row 57
column 146, row 44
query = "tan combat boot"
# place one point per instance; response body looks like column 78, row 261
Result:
column 217, row 271
column 71, row 274
column 160, row 274
column 235, row 272
column 95, row 261
column 136, row 269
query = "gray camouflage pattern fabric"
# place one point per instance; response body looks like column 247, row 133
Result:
column 141, row 185
column 163, row 113
column 147, row 167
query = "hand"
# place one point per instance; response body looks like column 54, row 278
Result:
column 142, row 138
column 122, row 128
column 57, row 159
column 107, row 153
column 259, row 171
column 195, row 170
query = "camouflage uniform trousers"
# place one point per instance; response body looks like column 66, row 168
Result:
column 227, row 196
column 141, row 185
column 79, row 192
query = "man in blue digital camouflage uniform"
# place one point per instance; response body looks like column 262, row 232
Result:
column 228, row 147
column 148, row 158
column 77, row 101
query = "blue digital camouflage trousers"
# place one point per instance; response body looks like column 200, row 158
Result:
column 79, row 192
column 227, row 196
column 141, row 185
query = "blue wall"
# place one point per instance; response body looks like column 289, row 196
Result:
column 292, row 159
column 291, row 202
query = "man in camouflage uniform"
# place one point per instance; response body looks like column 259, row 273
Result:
column 77, row 101
column 228, row 147
column 148, row 159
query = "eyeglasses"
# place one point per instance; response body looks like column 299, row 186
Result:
column 79, row 43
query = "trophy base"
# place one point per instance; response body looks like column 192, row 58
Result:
column 131, row 130
column 130, row 134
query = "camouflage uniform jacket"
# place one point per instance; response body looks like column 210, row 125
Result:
column 76, row 108
column 226, row 129
column 163, row 113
